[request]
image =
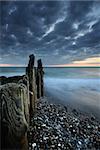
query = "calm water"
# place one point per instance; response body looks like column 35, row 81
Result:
column 65, row 73
column 78, row 87
column 55, row 72
column 11, row 71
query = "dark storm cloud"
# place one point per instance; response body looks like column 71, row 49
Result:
column 56, row 31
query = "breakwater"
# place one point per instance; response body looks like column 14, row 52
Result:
column 18, row 98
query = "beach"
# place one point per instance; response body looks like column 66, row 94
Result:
column 50, row 75
column 55, row 126
column 77, row 87
column 82, row 94
column 67, row 117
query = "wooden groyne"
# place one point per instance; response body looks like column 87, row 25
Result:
column 18, row 98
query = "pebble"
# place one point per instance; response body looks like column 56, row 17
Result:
column 33, row 145
column 79, row 142
column 54, row 128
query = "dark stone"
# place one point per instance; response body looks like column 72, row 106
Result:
column 92, row 118
column 75, row 111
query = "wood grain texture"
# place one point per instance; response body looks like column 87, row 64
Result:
column 14, row 113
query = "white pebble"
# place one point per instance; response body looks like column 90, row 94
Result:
column 33, row 145
column 79, row 142
column 59, row 144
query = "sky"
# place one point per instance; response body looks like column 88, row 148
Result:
column 58, row 32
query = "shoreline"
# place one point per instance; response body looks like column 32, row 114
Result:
column 83, row 95
column 55, row 127
column 83, row 109
column 60, row 127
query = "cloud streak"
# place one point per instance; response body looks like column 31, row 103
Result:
column 52, row 30
column 52, row 27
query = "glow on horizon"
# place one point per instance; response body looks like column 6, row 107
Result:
column 11, row 65
column 89, row 62
column 75, row 65
column 93, row 60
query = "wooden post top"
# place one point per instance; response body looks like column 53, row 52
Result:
column 39, row 63
column 31, row 61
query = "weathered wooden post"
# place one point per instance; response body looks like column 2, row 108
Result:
column 18, row 102
column 14, row 116
column 30, row 71
column 40, row 84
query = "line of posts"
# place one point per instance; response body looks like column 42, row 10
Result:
column 36, row 84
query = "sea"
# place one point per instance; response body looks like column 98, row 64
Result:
column 75, row 87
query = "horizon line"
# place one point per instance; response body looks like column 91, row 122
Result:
column 88, row 62
column 53, row 66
